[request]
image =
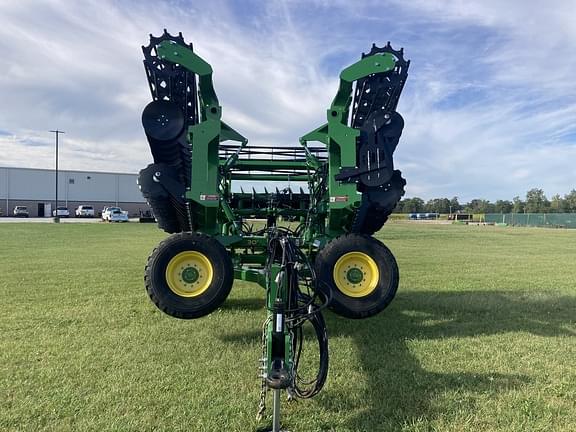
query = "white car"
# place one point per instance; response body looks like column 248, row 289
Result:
column 21, row 211
column 114, row 214
column 85, row 211
column 61, row 212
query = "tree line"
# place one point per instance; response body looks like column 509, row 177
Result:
column 535, row 202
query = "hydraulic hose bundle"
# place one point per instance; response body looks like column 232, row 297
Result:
column 304, row 305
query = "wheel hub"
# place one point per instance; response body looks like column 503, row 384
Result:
column 356, row 274
column 189, row 274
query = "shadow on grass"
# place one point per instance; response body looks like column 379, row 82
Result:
column 399, row 391
column 243, row 304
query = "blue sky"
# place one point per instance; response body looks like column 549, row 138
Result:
column 490, row 103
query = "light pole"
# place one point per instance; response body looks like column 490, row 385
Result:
column 57, row 133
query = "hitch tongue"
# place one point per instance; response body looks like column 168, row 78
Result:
column 278, row 375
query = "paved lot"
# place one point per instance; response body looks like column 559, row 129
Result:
column 50, row 220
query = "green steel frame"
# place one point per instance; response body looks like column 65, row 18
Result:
column 334, row 203
column 326, row 211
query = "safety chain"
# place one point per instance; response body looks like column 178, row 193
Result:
column 189, row 214
column 262, row 369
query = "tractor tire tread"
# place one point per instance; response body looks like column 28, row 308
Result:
column 161, row 295
column 358, row 308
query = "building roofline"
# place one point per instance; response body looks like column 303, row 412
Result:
column 67, row 170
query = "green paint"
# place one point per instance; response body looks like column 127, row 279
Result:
column 190, row 275
column 209, row 195
column 354, row 275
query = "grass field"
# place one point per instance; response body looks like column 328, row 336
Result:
column 481, row 337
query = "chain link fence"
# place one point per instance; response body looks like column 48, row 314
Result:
column 553, row 220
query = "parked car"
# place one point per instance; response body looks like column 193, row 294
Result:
column 114, row 214
column 104, row 211
column 422, row 216
column 146, row 216
column 21, row 211
column 85, row 211
column 61, row 212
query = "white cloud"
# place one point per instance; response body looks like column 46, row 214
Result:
column 78, row 66
column 520, row 134
column 484, row 118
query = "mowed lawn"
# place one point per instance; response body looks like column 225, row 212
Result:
column 481, row 337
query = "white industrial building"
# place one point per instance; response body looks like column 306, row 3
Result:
column 36, row 189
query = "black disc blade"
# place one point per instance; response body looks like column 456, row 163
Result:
column 163, row 120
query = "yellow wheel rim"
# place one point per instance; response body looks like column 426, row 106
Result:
column 356, row 274
column 189, row 274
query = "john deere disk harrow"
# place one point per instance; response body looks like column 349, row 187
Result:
column 309, row 248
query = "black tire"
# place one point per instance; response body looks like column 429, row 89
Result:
column 386, row 277
column 184, row 307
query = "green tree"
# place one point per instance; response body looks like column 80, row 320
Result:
column 455, row 205
column 557, row 204
column 479, row 206
column 536, row 201
column 518, row 205
column 503, row 206
column 411, row 205
column 438, row 205
column 570, row 199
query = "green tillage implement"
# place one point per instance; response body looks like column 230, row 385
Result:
column 329, row 259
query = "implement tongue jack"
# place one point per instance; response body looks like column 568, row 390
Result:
column 310, row 248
